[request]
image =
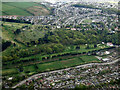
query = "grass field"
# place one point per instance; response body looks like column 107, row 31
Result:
column 26, row 35
column 73, row 61
column 87, row 21
column 61, row 63
column 9, row 71
column 9, row 28
column 11, row 10
column 15, row 25
column 29, row 68
column 22, row 8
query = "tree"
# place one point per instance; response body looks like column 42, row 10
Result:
column 80, row 41
column 95, row 45
column 77, row 47
column 36, row 41
column 53, row 39
column 17, row 31
column 2, row 24
column 5, row 44
column 36, row 67
column 87, row 47
column 49, row 50
column 81, row 87
column 58, row 47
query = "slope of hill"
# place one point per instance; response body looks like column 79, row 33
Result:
column 24, row 9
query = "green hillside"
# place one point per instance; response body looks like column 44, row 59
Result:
column 24, row 8
column 30, row 49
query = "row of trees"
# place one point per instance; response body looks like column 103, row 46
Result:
column 17, row 53
column 68, row 37
column 5, row 44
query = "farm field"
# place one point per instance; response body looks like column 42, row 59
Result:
column 9, row 71
column 23, row 8
column 65, row 63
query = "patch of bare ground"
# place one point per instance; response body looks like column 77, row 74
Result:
column 37, row 10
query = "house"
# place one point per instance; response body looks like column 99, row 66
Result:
column 10, row 78
column 109, row 44
column 58, row 26
column 105, row 59
column 73, row 28
column 67, row 28
column 107, row 52
column 103, row 43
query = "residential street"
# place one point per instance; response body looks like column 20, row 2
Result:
column 90, row 64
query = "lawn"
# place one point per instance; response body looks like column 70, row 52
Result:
column 87, row 21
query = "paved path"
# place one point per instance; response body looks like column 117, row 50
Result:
column 106, row 63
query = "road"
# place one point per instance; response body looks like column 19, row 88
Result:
column 106, row 63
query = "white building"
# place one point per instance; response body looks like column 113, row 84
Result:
column 106, row 59
column 110, row 44
column 107, row 52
